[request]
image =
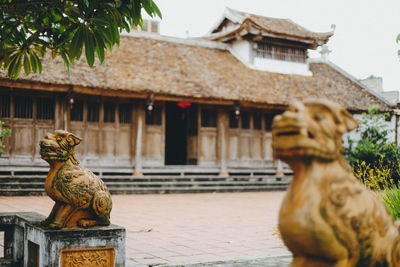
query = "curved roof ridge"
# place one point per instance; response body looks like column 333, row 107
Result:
column 278, row 26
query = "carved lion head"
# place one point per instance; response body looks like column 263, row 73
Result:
column 311, row 129
column 59, row 146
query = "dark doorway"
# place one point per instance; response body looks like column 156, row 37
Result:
column 175, row 134
column 180, row 118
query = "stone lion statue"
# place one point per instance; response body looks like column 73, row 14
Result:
column 328, row 218
column 81, row 198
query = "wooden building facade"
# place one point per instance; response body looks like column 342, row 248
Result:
column 168, row 105
column 124, row 135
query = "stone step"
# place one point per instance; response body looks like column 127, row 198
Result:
column 149, row 183
column 156, row 184
column 22, row 192
column 21, row 185
column 195, row 189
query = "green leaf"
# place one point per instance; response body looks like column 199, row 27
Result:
column 89, row 46
column 99, row 46
column 126, row 26
column 66, row 61
column 147, row 5
column 60, row 30
column 398, row 38
column 157, row 10
column 14, row 68
column 37, row 62
column 75, row 49
column 108, row 38
column 34, row 64
column 100, row 22
column 27, row 64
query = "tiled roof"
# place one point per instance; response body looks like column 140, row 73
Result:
column 276, row 26
column 144, row 65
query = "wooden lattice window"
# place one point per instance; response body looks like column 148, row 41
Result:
column 109, row 112
column 125, row 113
column 154, row 117
column 245, row 120
column 257, row 121
column 268, row 121
column 45, row 108
column 76, row 112
column 233, row 120
column 4, row 106
column 93, row 110
column 23, row 107
column 281, row 52
column 208, row 118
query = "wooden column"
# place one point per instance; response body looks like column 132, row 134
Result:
column 222, row 136
column 61, row 113
column 139, row 134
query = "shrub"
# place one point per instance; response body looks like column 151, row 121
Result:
column 3, row 132
column 375, row 177
column 374, row 148
column 391, row 198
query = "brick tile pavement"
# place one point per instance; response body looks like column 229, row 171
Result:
column 164, row 229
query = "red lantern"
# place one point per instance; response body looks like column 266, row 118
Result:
column 184, row 104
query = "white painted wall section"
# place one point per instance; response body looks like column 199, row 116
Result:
column 242, row 49
column 280, row 66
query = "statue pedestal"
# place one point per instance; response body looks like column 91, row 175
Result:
column 26, row 243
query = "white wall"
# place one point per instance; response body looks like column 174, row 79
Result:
column 280, row 66
column 242, row 49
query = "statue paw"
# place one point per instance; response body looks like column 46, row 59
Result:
column 86, row 223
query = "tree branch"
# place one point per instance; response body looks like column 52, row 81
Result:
column 26, row 3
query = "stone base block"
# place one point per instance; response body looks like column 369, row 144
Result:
column 29, row 244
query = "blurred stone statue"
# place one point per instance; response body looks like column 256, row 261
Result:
column 328, row 218
column 81, row 198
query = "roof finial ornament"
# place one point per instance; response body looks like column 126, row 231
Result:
column 324, row 52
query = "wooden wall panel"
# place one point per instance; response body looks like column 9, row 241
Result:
column 245, row 146
column 153, row 145
column 92, row 143
column 108, row 142
column 267, row 146
column 78, row 128
column 208, row 146
column 23, row 139
column 233, row 147
column 192, row 147
column 124, row 143
column 256, row 148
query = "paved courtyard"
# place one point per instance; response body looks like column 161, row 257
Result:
column 188, row 228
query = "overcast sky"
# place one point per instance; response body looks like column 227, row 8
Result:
column 364, row 42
